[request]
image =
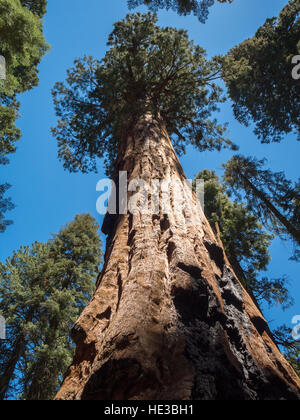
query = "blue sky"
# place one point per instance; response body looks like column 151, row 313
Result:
column 47, row 197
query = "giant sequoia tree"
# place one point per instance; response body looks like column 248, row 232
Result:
column 169, row 320
column 199, row 8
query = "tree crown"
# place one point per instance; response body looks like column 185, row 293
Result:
column 199, row 8
column 38, row 7
column 43, row 289
column 274, row 199
column 258, row 74
column 147, row 68
column 5, row 205
column 22, row 44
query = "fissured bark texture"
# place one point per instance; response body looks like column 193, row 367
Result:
column 169, row 319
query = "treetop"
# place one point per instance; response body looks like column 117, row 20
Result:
column 147, row 68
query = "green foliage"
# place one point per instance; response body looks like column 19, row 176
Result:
column 5, row 205
column 199, row 8
column 43, row 289
column 38, row 7
column 146, row 69
column 258, row 74
column 274, row 199
column 291, row 347
column 22, row 44
column 245, row 242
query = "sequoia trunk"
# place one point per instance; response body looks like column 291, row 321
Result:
column 169, row 320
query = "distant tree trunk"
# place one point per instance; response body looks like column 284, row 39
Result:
column 169, row 320
column 295, row 233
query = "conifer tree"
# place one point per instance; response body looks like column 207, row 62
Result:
column 22, row 45
column 199, row 8
column 176, row 84
column 245, row 241
column 43, row 289
column 283, row 336
column 5, row 205
column 258, row 75
column 169, row 319
column 269, row 195
column 38, row 7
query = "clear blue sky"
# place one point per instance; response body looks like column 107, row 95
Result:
column 47, row 197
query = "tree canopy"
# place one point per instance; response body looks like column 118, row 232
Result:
column 43, row 289
column 22, row 44
column 146, row 69
column 38, row 7
column 199, row 8
column 258, row 75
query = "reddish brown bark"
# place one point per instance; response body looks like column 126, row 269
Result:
column 169, row 320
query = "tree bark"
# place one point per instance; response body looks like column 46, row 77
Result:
column 235, row 267
column 169, row 320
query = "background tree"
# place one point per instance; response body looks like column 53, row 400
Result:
column 38, row 7
column 23, row 45
column 43, row 289
column 199, row 8
column 245, row 241
column 5, row 205
column 291, row 347
column 258, row 75
column 274, row 199
column 169, row 320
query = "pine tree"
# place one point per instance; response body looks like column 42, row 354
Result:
column 22, row 44
column 21, row 296
column 38, row 7
column 176, row 84
column 199, row 8
column 272, row 197
column 5, row 205
column 245, row 242
column 258, row 75
column 43, row 289
column 169, row 320
column 291, row 346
